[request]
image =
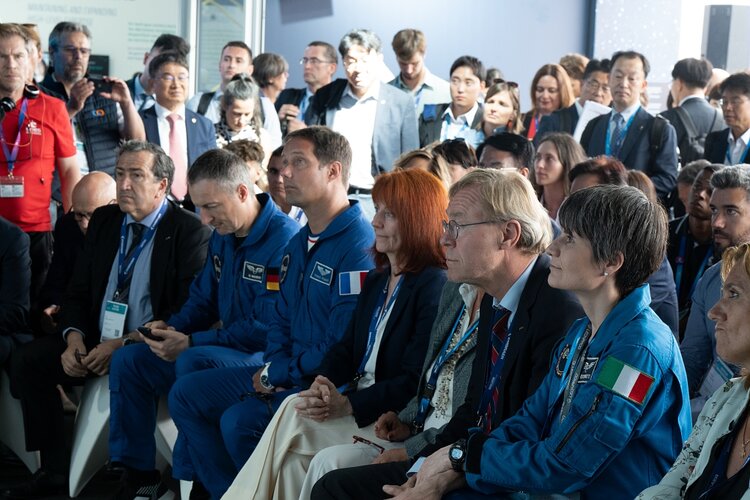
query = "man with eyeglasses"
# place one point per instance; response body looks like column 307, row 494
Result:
column 595, row 88
column 629, row 132
column 236, row 58
column 410, row 46
column 495, row 240
column 377, row 119
column 462, row 116
column 101, row 119
column 730, row 146
column 183, row 134
column 319, row 64
column 94, row 190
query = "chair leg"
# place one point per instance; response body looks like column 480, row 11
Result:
column 11, row 426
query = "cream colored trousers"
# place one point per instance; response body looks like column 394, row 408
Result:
column 281, row 468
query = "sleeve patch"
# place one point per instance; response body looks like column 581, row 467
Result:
column 625, row 380
column 351, row 283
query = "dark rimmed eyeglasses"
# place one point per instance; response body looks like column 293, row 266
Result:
column 451, row 227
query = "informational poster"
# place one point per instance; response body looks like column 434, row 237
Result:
column 124, row 30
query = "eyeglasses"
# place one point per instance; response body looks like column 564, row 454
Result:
column 79, row 216
column 451, row 227
column 84, row 51
column 170, row 78
column 596, row 86
column 358, row 439
column 313, row 60
column 512, row 85
column 735, row 102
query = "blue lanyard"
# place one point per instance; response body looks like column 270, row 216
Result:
column 623, row 133
column 125, row 268
column 377, row 318
column 11, row 155
column 742, row 158
column 443, row 357
column 680, row 264
column 495, row 375
column 568, row 362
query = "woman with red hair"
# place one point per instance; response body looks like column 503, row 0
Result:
column 376, row 366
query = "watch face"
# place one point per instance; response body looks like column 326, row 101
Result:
column 457, row 453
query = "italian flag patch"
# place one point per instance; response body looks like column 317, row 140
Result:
column 624, row 380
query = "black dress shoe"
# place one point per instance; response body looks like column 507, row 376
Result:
column 42, row 484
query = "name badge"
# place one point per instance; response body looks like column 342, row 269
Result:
column 114, row 320
column 11, row 187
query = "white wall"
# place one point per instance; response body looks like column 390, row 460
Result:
column 516, row 36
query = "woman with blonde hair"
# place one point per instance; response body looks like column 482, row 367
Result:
column 502, row 109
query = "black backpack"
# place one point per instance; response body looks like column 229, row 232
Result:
column 692, row 146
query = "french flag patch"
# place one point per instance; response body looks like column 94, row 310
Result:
column 351, row 283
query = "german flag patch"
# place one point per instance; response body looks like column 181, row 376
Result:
column 272, row 279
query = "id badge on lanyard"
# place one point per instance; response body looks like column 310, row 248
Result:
column 113, row 325
column 11, row 187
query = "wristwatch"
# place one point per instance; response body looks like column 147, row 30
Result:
column 457, row 455
column 264, row 378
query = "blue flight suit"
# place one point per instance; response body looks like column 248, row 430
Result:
column 238, row 285
column 218, row 411
column 609, row 446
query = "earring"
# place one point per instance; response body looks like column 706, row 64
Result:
column 606, row 273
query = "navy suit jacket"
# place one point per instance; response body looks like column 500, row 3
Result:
column 201, row 133
column 431, row 122
column 180, row 247
column 716, row 146
column 553, row 122
column 542, row 319
column 636, row 149
column 402, row 349
column 15, row 277
column 290, row 96
column 395, row 130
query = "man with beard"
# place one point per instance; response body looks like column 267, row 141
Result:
column 730, row 222
column 100, row 119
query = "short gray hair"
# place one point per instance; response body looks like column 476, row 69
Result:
column 242, row 87
column 225, row 168
column 66, row 27
column 162, row 167
column 732, row 177
column 507, row 195
column 366, row 39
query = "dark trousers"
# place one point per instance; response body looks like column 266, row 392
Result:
column 360, row 483
column 35, row 371
column 40, row 252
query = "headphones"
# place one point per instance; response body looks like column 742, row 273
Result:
column 7, row 104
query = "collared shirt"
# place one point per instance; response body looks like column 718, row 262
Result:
column 626, row 114
column 161, row 119
column 737, row 146
column 692, row 96
column 512, row 297
column 305, row 103
column 139, row 296
column 355, row 119
column 432, row 90
column 460, row 126
column 141, row 99
column 442, row 399
column 213, row 112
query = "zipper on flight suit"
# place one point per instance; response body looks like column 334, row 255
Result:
column 578, row 423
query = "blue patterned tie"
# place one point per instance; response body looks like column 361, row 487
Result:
column 617, row 135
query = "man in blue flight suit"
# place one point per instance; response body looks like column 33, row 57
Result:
column 222, row 413
column 237, row 286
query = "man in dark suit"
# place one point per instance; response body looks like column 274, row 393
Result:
column 140, row 84
column 692, row 116
column 515, row 321
column 139, row 259
column 94, row 190
column 183, row 134
column 626, row 132
column 15, row 278
column 462, row 117
column 595, row 88
column 377, row 119
column 730, row 146
column 318, row 67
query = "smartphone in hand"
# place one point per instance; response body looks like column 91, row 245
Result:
column 146, row 332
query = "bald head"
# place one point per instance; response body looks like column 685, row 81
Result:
column 92, row 191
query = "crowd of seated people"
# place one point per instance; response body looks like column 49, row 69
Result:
column 373, row 287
